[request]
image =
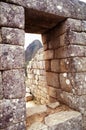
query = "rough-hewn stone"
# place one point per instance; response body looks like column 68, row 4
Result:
column 76, row 64
column 55, row 67
column 53, row 105
column 12, row 87
column 1, row 86
column 47, row 65
column 60, row 8
column 70, row 51
column 12, row 36
column 48, row 54
column 38, row 126
column 84, row 26
column 11, row 15
column 52, row 79
column 74, row 101
column 77, row 38
column 73, row 82
column 12, row 56
column 36, row 78
column 36, row 110
column 19, row 126
column 64, row 120
column 11, row 112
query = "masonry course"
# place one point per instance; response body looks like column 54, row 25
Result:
column 63, row 28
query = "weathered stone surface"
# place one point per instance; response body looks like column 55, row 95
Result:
column 70, row 51
column 77, row 38
column 76, row 64
column 1, row 86
column 28, row 97
column 52, row 79
column 12, row 36
column 12, row 56
column 38, row 126
column 53, row 105
column 36, row 110
column 55, row 66
column 19, row 126
column 73, row 24
column 84, row 26
column 74, row 101
column 60, row 8
column 11, row 112
column 12, row 87
column 48, row 54
column 52, row 92
column 11, row 15
column 64, row 120
column 47, row 65
column 73, row 82
column 84, row 120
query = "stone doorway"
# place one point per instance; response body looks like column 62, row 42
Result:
column 63, row 28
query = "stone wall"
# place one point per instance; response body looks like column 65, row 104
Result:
column 36, row 78
column 65, row 55
column 12, row 92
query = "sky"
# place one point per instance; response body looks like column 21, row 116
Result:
column 83, row 0
column 31, row 37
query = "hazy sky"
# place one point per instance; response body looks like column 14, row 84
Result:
column 31, row 37
column 83, row 0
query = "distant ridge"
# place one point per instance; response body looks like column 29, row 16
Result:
column 32, row 49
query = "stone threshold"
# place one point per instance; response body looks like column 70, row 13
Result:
column 53, row 116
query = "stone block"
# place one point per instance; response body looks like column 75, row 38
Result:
column 1, row 86
column 18, row 126
column 52, row 79
column 13, row 83
column 11, row 112
column 73, row 24
column 76, row 64
column 54, row 42
column 55, row 66
column 52, row 92
column 49, row 54
column 47, row 65
column 73, row 101
column 36, row 110
column 64, row 120
column 38, row 126
column 84, row 26
column 70, row 51
column 12, row 36
column 53, row 105
column 74, row 83
column 84, row 120
column 12, row 56
column 11, row 15
column 45, row 46
column 77, row 38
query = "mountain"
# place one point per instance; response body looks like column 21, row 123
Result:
column 32, row 49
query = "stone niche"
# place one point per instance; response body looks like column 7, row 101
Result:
column 62, row 24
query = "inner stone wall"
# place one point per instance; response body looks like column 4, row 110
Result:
column 65, row 49
column 12, row 86
column 65, row 45
column 36, row 78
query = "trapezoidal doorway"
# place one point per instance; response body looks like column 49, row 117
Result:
column 63, row 29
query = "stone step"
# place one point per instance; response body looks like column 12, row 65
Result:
column 64, row 120
column 28, row 97
column 53, row 116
